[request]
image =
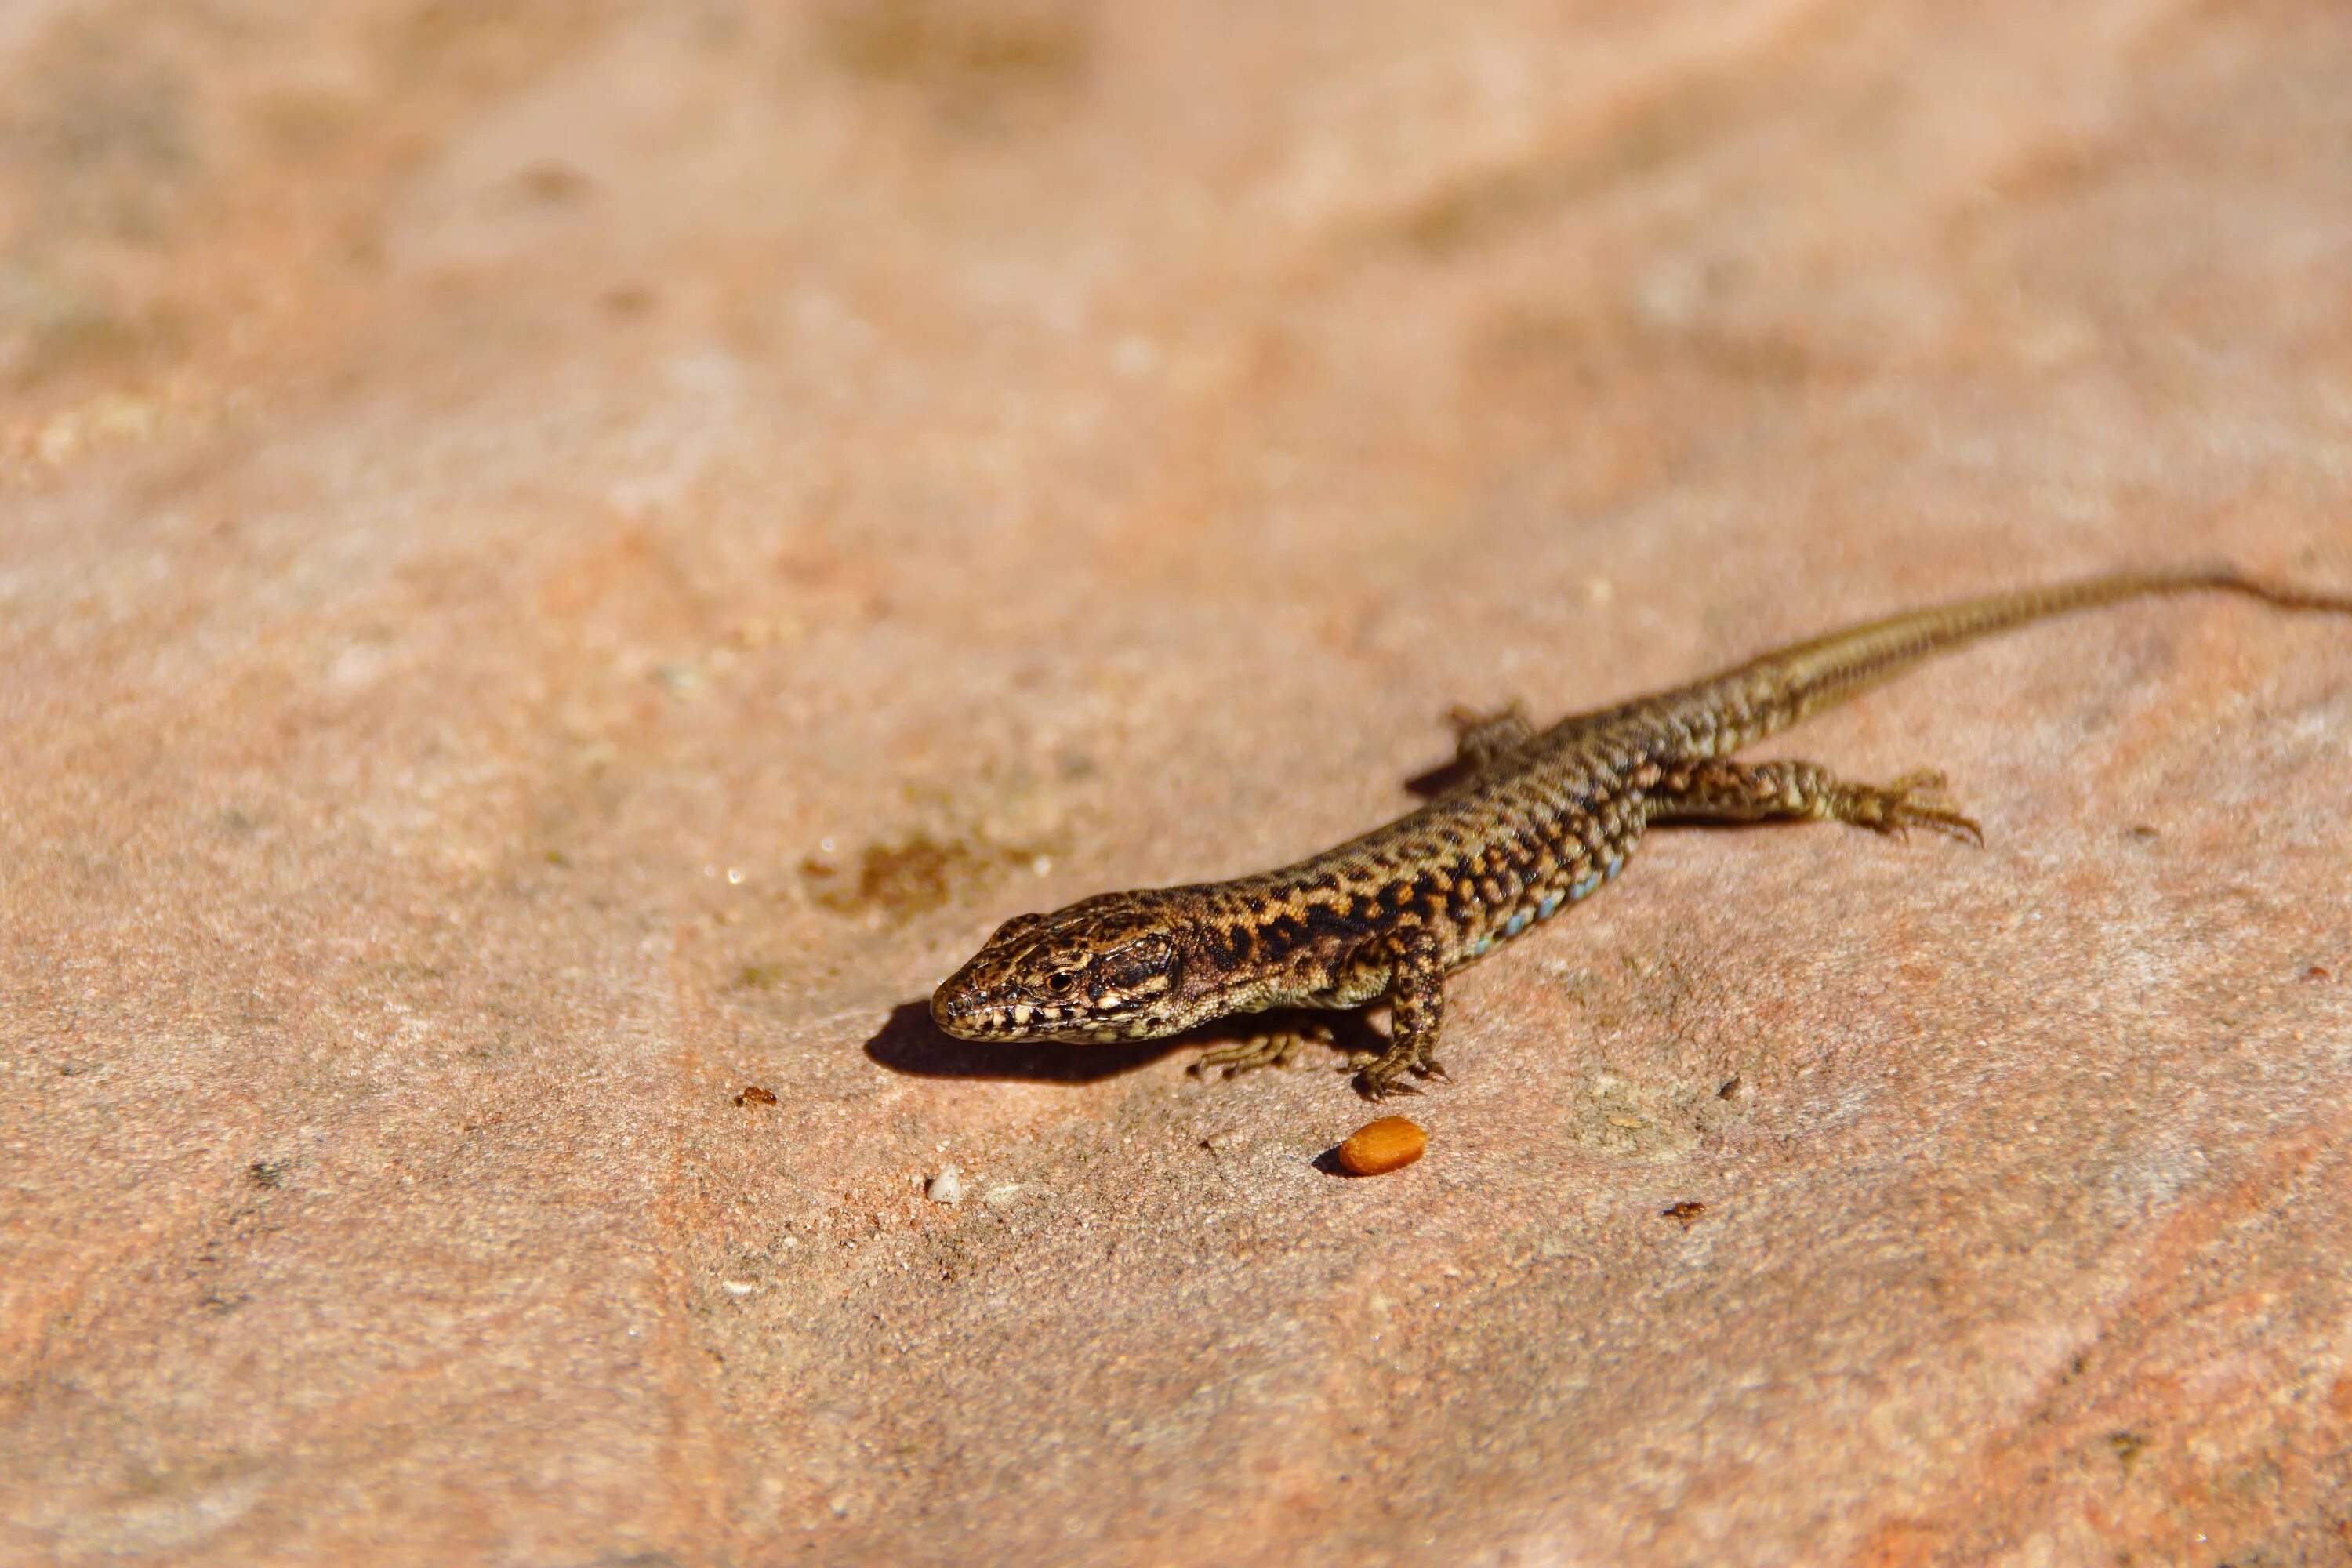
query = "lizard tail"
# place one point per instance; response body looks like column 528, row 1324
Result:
column 1781, row 688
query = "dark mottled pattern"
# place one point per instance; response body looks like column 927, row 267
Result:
column 1540, row 821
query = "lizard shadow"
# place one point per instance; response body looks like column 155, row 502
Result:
column 911, row 1044
column 1431, row 782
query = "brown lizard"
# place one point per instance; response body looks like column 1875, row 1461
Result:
column 1537, row 822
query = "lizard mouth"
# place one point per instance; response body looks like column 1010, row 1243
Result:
column 970, row 1015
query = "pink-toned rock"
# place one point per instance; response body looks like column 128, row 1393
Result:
column 560, row 561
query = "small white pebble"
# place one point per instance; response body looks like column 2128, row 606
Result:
column 947, row 1187
column 738, row 1288
column 1002, row 1195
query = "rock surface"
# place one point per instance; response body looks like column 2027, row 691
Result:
column 563, row 560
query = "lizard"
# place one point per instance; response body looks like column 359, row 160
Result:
column 1536, row 822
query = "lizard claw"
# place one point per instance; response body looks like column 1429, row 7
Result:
column 1915, row 800
column 1383, row 1077
column 1270, row 1048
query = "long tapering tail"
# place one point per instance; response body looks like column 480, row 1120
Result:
column 1780, row 687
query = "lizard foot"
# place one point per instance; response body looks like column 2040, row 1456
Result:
column 1382, row 1077
column 1914, row 800
column 1273, row 1048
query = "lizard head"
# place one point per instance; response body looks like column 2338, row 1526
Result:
column 1104, row 969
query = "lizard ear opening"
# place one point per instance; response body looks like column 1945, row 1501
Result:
column 1148, row 956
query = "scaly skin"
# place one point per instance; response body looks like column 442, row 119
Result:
column 1539, row 822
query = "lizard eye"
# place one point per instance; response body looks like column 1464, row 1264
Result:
column 1062, row 982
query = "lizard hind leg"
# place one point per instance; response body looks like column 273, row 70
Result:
column 1763, row 792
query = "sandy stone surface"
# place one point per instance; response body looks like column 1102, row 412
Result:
column 560, row 561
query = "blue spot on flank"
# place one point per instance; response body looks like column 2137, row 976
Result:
column 1544, row 910
column 1478, row 949
column 1585, row 886
column 1516, row 924
column 1616, row 864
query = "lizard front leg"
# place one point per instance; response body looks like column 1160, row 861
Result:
column 1481, row 740
column 1759, row 791
column 1416, row 998
column 1271, row 1047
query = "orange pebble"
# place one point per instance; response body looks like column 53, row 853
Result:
column 1379, row 1147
